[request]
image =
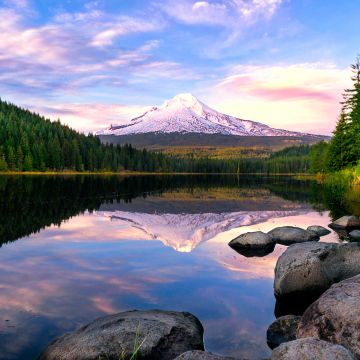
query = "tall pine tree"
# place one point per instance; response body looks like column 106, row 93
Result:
column 345, row 145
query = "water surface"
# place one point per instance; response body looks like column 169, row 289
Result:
column 75, row 248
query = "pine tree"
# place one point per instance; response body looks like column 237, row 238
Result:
column 28, row 163
column 3, row 164
column 339, row 152
column 344, row 147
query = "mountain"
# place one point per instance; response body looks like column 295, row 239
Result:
column 185, row 114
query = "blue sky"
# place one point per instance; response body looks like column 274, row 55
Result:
column 93, row 63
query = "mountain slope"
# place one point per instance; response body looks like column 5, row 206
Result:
column 186, row 114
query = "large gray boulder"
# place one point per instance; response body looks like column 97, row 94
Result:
column 282, row 330
column 355, row 235
column 254, row 243
column 163, row 335
column 335, row 316
column 320, row 230
column 202, row 355
column 346, row 222
column 313, row 267
column 287, row 235
column 311, row 349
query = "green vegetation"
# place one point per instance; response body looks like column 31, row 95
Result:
column 29, row 142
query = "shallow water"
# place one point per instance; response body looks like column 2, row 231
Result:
column 76, row 248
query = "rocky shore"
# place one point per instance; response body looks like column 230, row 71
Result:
column 324, row 278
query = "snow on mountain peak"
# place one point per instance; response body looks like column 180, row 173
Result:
column 184, row 113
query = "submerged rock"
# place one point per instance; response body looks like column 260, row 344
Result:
column 282, row 330
column 335, row 316
column 346, row 222
column 202, row 355
column 314, row 267
column 355, row 235
column 287, row 235
column 163, row 335
column 253, row 244
column 320, row 230
column 311, row 349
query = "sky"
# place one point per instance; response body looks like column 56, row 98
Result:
column 284, row 63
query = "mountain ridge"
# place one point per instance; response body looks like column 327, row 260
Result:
column 185, row 114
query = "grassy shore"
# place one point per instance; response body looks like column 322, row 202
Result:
column 344, row 187
column 132, row 173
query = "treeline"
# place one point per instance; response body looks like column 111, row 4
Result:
column 29, row 142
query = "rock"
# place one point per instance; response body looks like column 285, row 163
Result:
column 163, row 335
column 335, row 316
column 254, row 243
column 313, row 267
column 355, row 235
column 346, row 222
column 282, row 330
column 287, row 235
column 320, row 230
column 311, row 349
column 251, row 240
column 202, row 355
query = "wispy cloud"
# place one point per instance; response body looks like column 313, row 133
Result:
column 231, row 14
column 70, row 50
column 123, row 26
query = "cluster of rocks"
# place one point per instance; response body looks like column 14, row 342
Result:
column 260, row 244
column 329, row 274
column 328, row 328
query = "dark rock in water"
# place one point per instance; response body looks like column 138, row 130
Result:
column 311, row 349
column 335, row 316
column 202, row 355
column 251, row 240
column 163, row 335
column 320, row 230
column 346, row 222
column 313, row 267
column 287, row 235
column 282, row 330
column 253, row 244
column 256, row 252
column 354, row 235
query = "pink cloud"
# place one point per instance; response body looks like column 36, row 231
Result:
column 296, row 97
column 287, row 93
column 89, row 117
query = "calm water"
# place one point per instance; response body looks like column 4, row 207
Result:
column 76, row 248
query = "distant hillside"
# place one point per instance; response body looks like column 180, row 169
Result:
column 211, row 145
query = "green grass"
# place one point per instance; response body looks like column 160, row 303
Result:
column 136, row 347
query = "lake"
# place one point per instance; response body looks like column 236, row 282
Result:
column 74, row 248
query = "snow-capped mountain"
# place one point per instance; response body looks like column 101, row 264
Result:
column 186, row 114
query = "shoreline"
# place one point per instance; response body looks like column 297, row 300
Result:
column 139, row 173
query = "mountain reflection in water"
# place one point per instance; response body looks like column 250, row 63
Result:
column 64, row 262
